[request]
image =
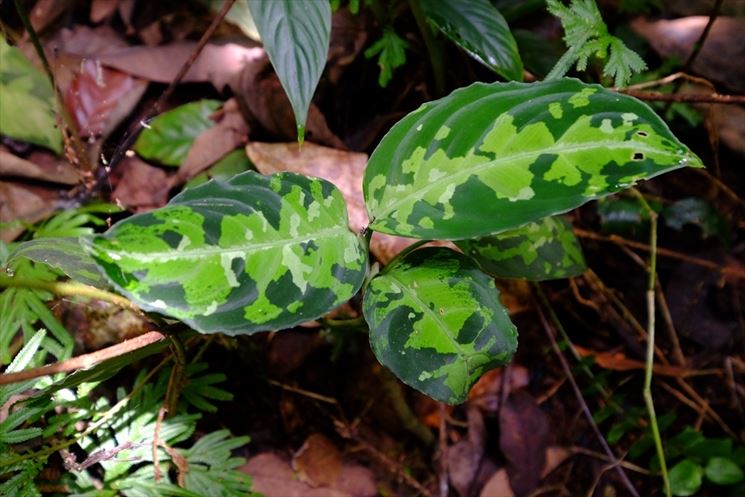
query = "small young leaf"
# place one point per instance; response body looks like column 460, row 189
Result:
column 723, row 471
column 391, row 52
column 437, row 323
column 479, row 28
column 543, row 250
column 491, row 157
column 250, row 254
column 168, row 137
column 296, row 38
column 685, row 478
column 27, row 102
column 64, row 254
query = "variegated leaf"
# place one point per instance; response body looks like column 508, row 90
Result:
column 543, row 250
column 490, row 157
column 436, row 321
column 250, row 254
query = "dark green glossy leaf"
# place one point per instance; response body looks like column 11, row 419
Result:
column 490, row 157
column 542, row 250
column 27, row 101
column 296, row 38
column 437, row 323
column 64, row 254
column 624, row 216
column 168, row 137
column 697, row 212
column 250, row 254
column 723, row 471
column 478, row 28
column 685, row 478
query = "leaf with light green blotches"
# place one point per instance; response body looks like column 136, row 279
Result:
column 479, row 28
column 437, row 323
column 27, row 102
column 250, row 254
column 491, row 157
column 295, row 35
column 543, row 250
column 168, row 137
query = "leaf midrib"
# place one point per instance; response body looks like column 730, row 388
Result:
column 496, row 162
column 216, row 250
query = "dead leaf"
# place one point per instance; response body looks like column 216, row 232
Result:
column 729, row 122
column 348, row 36
column 21, row 204
column 617, row 361
column 523, row 438
column 498, row 485
column 45, row 12
column 289, row 349
column 555, row 455
column 487, row 391
column 318, row 462
column 142, row 187
column 272, row 476
column 465, row 456
column 99, row 98
column 86, row 41
column 39, row 165
column 226, row 135
column 217, row 64
column 704, row 7
column 261, row 95
column 102, row 9
column 723, row 45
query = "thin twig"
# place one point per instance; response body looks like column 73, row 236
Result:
column 84, row 361
column 585, row 409
column 649, row 365
column 155, row 109
column 725, row 270
column 704, row 34
column 699, row 98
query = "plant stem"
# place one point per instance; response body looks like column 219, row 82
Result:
column 65, row 289
column 647, row 392
column 435, row 55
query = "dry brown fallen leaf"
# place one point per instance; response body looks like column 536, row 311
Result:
column 273, row 476
column 498, row 485
column 729, row 123
column 724, row 45
column 226, row 135
column 523, row 438
column 343, row 169
column 464, row 457
column 617, row 361
column 39, row 165
column 348, row 36
column 265, row 102
column 217, row 64
column 487, row 391
column 25, row 203
column 318, row 461
column 102, row 9
column 141, row 187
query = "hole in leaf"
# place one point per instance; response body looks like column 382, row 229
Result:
column 637, row 156
column 642, row 133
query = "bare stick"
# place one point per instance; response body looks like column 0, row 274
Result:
column 84, row 361
column 703, row 98
column 585, row 409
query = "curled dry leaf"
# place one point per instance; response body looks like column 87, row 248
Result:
column 724, row 44
column 99, row 98
column 464, row 457
column 217, row 64
column 142, row 187
column 102, row 9
column 487, row 392
column 261, row 95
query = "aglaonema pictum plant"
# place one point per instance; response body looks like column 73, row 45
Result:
column 489, row 166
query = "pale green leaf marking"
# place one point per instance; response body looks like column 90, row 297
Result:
column 515, row 153
column 437, row 323
column 240, row 256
